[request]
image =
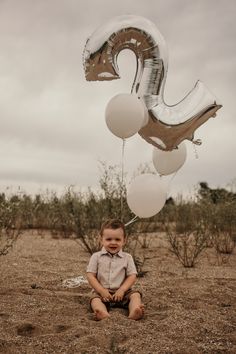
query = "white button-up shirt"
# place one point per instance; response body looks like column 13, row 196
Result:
column 111, row 270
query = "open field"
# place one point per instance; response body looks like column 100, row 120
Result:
column 188, row 310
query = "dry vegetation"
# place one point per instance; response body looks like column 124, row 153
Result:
column 185, row 258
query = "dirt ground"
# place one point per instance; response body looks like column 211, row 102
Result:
column 187, row 310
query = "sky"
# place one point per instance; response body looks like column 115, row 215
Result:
column 52, row 121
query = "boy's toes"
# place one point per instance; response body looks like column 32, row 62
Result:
column 100, row 315
column 138, row 313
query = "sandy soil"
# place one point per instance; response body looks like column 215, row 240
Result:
column 187, row 310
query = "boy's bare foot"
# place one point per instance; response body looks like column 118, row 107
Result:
column 100, row 315
column 137, row 313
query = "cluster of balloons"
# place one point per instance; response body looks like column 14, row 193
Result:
column 125, row 115
column 144, row 110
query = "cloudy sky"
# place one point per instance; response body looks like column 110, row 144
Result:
column 52, row 126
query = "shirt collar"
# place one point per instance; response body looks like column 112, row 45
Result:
column 104, row 251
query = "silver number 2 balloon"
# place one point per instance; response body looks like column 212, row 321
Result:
column 167, row 125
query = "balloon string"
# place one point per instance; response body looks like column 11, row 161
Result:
column 195, row 151
column 132, row 220
column 170, row 181
column 173, row 176
column 122, row 180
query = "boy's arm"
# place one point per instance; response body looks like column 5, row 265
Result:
column 92, row 279
column 126, row 285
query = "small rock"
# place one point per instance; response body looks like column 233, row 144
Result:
column 35, row 286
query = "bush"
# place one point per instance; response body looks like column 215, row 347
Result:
column 10, row 223
column 187, row 235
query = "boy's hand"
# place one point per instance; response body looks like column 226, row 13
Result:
column 106, row 296
column 118, row 296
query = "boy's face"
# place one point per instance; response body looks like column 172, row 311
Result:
column 113, row 240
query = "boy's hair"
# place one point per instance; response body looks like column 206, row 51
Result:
column 113, row 224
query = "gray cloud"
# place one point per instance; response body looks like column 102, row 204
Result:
column 52, row 128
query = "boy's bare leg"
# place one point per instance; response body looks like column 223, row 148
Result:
column 136, row 308
column 99, row 309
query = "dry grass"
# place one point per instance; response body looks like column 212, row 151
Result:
column 188, row 310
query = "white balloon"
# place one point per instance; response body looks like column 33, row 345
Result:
column 167, row 162
column 125, row 115
column 146, row 195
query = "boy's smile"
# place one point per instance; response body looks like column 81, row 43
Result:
column 113, row 240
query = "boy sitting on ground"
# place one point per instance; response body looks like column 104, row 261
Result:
column 112, row 273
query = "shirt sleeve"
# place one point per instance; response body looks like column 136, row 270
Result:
column 93, row 264
column 131, row 269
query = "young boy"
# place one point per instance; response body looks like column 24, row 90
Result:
column 112, row 273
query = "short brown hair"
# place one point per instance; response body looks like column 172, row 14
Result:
column 113, row 224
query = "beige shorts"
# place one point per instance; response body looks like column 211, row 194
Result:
column 123, row 304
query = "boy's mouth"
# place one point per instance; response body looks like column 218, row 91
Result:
column 113, row 248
